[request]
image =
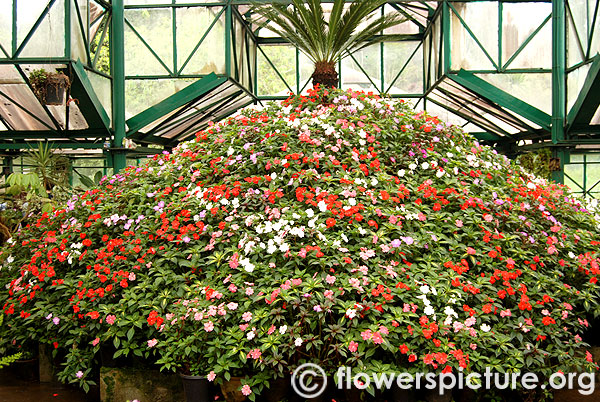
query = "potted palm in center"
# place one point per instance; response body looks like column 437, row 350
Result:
column 327, row 41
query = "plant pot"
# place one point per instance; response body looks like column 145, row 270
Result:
column 195, row 388
column 231, row 390
column 26, row 370
column 55, row 89
column 278, row 390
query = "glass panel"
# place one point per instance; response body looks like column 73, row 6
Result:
column 6, row 26
column 155, row 26
column 444, row 114
column 482, row 20
column 595, row 48
column 576, row 158
column 596, row 118
column 533, row 88
column 575, row 81
column 103, row 89
column 353, row 77
column 574, row 51
column 142, row 94
column 395, row 56
column 407, row 27
column 284, row 59
column 579, row 9
column 519, row 20
column 306, row 69
column 192, row 24
column 538, row 52
column 465, row 51
column 9, row 75
column 77, row 37
column 15, row 116
column 139, row 61
column 575, row 177
column 48, row 40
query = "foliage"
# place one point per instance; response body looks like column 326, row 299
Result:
column 7, row 360
column 356, row 233
column 538, row 163
column 302, row 23
column 40, row 80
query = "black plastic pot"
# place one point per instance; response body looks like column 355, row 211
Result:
column 55, row 95
column 195, row 388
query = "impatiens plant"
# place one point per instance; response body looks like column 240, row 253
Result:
column 350, row 232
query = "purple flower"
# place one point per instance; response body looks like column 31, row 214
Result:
column 79, row 374
column 396, row 243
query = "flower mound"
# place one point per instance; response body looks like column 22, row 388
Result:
column 338, row 228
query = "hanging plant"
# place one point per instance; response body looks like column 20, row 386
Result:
column 49, row 87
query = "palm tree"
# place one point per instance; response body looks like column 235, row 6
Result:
column 302, row 23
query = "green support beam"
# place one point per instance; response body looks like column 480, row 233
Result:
column 87, row 100
column 501, row 98
column 174, row 101
column 588, row 100
column 117, row 34
column 559, row 81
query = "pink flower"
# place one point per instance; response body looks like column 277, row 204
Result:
column 459, row 223
column 79, row 374
column 152, row 343
column 243, row 327
column 366, row 335
column 471, row 251
column 296, row 282
column 377, row 338
column 271, row 330
column 246, row 390
column 353, row 346
column 383, row 330
column 249, row 291
column 317, row 308
column 488, row 217
column 255, row 354
column 232, row 306
column 209, row 326
column 247, row 316
column 232, row 288
column 110, row 319
column 505, row 313
column 96, row 341
column 328, row 294
column 330, row 279
column 211, row 376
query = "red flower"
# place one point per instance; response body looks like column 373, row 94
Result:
column 548, row 321
column 330, row 222
column 403, row 349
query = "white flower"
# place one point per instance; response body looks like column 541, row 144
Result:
column 351, row 313
column 282, row 329
column 429, row 310
column 425, row 165
column 374, row 181
column 485, row 327
column 322, row 206
column 250, row 335
column 298, row 342
column 310, row 213
column 352, row 201
column 424, row 289
column 10, row 259
column 401, row 172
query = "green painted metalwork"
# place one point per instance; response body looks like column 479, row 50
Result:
column 182, row 97
column 559, row 60
column 118, row 83
column 501, row 98
column 84, row 92
column 588, row 100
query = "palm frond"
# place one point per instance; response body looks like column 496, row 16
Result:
column 303, row 24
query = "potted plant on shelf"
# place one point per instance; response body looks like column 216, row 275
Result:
column 49, row 87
